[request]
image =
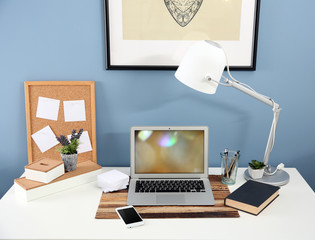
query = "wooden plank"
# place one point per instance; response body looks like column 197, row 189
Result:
column 93, row 120
column 110, row 201
column 28, row 121
column 44, row 165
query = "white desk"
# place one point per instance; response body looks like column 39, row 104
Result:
column 70, row 215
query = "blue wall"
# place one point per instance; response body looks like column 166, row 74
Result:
column 64, row 40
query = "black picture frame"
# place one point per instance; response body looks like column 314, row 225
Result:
column 110, row 41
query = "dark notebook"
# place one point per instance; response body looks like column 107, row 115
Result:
column 252, row 197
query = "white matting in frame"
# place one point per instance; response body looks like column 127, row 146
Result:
column 167, row 54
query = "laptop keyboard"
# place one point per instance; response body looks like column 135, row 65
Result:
column 151, row 186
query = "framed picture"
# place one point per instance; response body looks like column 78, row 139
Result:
column 155, row 34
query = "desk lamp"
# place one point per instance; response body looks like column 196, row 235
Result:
column 202, row 68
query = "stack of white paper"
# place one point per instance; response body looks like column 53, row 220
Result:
column 112, row 181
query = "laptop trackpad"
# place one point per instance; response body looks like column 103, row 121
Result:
column 170, row 199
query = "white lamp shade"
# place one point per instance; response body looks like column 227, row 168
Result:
column 204, row 59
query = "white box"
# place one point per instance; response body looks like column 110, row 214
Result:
column 29, row 190
column 44, row 170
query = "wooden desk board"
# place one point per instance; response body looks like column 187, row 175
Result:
column 110, row 201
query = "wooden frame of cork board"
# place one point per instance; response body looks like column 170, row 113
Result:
column 63, row 91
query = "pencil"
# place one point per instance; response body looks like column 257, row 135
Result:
column 226, row 152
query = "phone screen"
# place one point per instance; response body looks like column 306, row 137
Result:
column 129, row 215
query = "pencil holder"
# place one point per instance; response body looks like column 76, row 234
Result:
column 229, row 165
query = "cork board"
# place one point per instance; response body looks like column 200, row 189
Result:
column 63, row 91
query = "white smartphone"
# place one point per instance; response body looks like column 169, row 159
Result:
column 130, row 216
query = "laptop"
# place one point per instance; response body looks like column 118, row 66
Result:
column 169, row 166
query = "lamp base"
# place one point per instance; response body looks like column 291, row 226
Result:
column 280, row 178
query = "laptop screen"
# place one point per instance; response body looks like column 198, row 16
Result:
column 169, row 151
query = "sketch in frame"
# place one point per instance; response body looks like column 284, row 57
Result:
column 183, row 11
column 155, row 34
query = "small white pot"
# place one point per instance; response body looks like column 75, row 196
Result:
column 255, row 173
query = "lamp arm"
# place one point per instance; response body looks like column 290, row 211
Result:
column 252, row 93
column 268, row 101
column 271, row 138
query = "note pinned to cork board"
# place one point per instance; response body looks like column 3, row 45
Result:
column 79, row 98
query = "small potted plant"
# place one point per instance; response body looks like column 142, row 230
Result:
column 68, row 151
column 256, row 169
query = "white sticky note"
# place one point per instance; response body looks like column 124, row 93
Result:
column 85, row 143
column 74, row 110
column 45, row 139
column 47, row 108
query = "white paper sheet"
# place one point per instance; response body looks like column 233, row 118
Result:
column 74, row 110
column 85, row 143
column 45, row 139
column 47, row 108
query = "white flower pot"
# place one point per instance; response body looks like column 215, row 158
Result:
column 255, row 173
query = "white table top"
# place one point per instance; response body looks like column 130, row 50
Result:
column 70, row 215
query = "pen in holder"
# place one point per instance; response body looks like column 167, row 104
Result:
column 229, row 165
